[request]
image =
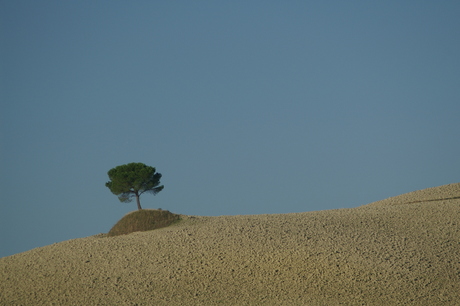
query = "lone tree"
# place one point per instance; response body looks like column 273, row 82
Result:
column 132, row 180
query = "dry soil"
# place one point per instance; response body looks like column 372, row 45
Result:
column 399, row 251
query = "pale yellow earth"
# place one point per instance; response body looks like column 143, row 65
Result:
column 400, row 251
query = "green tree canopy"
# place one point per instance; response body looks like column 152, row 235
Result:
column 131, row 180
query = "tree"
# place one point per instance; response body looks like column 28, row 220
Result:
column 132, row 180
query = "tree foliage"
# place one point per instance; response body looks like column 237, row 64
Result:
column 131, row 180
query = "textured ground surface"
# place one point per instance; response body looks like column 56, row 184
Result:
column 402, row 250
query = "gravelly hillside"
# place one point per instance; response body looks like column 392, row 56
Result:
column 402, row 250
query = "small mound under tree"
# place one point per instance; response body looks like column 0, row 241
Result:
column 131, row 180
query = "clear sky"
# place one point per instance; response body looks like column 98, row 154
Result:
column 245, row 107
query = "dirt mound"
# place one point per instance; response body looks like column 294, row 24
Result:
column 143, row 220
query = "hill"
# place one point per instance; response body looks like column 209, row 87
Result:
column 402, row 250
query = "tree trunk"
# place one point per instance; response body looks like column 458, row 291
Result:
column 138, row 202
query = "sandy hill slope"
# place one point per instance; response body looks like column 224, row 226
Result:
column 400, row 251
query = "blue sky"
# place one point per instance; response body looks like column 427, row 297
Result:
column 245, row 107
